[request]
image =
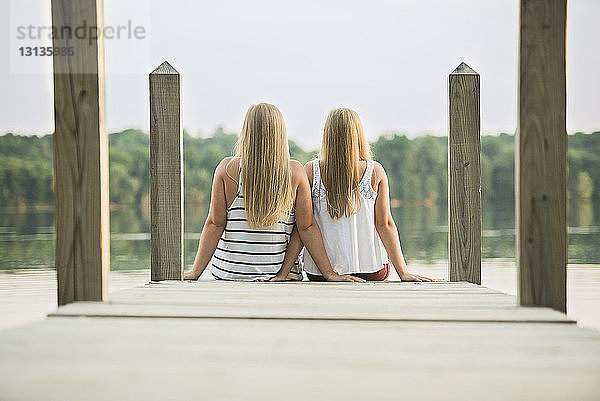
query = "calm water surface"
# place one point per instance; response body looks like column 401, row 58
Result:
column 28, row 277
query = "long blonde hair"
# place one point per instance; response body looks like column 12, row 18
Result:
column 265, row 166
column 344, row 147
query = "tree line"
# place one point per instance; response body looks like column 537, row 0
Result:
column 416, row 168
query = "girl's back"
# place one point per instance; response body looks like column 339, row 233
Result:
column 249, row 254
column 260, row 209
column 352, row 242
column 351, row 204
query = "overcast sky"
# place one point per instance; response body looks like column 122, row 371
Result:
column 387, row 59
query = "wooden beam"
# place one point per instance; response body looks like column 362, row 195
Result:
column 80, row 154
column 166, row 174
column 464, row 176
column 541, row 155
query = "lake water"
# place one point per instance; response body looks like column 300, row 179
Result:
column 28, row 277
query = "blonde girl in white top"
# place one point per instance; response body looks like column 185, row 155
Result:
column 350, row 196
column 258, row 198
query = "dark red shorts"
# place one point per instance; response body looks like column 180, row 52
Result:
column 379, row 275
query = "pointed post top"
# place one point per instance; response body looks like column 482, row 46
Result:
column 165, row 69
column 464, row 69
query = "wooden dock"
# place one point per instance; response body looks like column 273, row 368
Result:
column 214, row 340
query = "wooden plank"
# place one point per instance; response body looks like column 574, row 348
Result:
column 224, row 359
column 541, row 156
column 166, row 174
column 293, row 311
column 464, row 175
column 80, row 155
column 304, row 301
column 307, row 335
column 385, row 290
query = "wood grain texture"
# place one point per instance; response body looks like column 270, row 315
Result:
column 166, row 174
column 541, row 156
column 229, row 336
column 464, row 175
column 80, row 158
column 226, row 358
column 392, row 301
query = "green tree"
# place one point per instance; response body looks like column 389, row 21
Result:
column 585, row 186
column 416, row 168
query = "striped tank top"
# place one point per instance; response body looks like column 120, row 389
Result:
column 247, row 254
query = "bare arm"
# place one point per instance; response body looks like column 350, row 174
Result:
column 386, row 228
column 291, row 254
column 309, row 230
column 214, row 225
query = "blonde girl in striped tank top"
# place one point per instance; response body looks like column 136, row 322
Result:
column 350, row 196
column 259, row 199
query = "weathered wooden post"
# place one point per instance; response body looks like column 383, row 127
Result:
column 464, row 175
column 166, row 174
column 541, row 155
column 80, row 153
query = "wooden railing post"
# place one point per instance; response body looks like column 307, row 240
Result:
column 464, row 175
column 166, row 174
column 80, row 154
column 541, row 156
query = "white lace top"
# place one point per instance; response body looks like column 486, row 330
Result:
column 352, row 243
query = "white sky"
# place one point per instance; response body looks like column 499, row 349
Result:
column 387, row 59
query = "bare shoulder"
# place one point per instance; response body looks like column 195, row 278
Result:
column 297, row 170
column 228, row 167
column 308, row 168
column 378, row 176
column 295, row 164
column 378, row 170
